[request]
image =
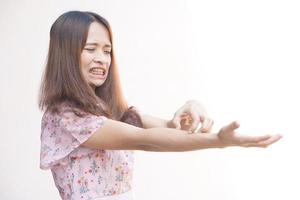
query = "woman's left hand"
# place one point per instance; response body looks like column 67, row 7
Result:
column 190, row 115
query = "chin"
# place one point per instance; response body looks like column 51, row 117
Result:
column 97, row 84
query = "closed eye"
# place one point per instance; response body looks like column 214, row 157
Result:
column 89, row 49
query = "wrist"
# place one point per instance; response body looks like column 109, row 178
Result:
column 170, row 124
column 213, row 140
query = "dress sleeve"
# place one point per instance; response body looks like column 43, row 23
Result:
column 62, row 133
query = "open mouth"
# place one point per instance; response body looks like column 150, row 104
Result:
column 97, row 71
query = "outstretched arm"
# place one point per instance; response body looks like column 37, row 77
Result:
column 120, row 136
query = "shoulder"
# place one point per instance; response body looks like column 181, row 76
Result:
column 64, row 117
column 64, row 114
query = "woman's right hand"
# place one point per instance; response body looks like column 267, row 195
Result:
column 229, row 137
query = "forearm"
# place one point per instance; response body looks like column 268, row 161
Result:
column 155, row 122
column 172, row 140
column 117, row 135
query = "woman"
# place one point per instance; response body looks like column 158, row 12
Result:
column 88, row 130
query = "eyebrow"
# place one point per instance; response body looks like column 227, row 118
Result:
column 95, row 44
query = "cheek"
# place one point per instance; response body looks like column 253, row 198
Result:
column 84, row 61
column 109, row 61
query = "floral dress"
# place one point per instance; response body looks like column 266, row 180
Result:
column 80, row 172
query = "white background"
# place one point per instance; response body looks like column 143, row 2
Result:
column 239, row 58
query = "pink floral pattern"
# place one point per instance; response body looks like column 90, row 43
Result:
column 79, row 172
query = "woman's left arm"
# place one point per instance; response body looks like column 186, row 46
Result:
column 188, row 117
column 155, row 122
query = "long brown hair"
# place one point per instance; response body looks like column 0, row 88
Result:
column 63, row 80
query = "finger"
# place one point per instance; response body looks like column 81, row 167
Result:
column 270, row 141
column 202, row 118
column 252, row 139
column 180, row 119
column 177, row 118
column 265, row 143
column 211, row 125
column 206, row 125
column 231, row 127
column 176, row 121
column 195, row 122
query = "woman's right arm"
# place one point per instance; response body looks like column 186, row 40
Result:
column 117, row 135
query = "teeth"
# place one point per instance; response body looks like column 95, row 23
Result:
column 97, row 70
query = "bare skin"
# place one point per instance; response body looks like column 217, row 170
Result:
column 188, row 117
column 120, row 136
column 158, row 134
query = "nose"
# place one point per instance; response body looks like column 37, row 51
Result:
column 99, row 58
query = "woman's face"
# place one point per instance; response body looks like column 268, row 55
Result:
column 96, row 55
